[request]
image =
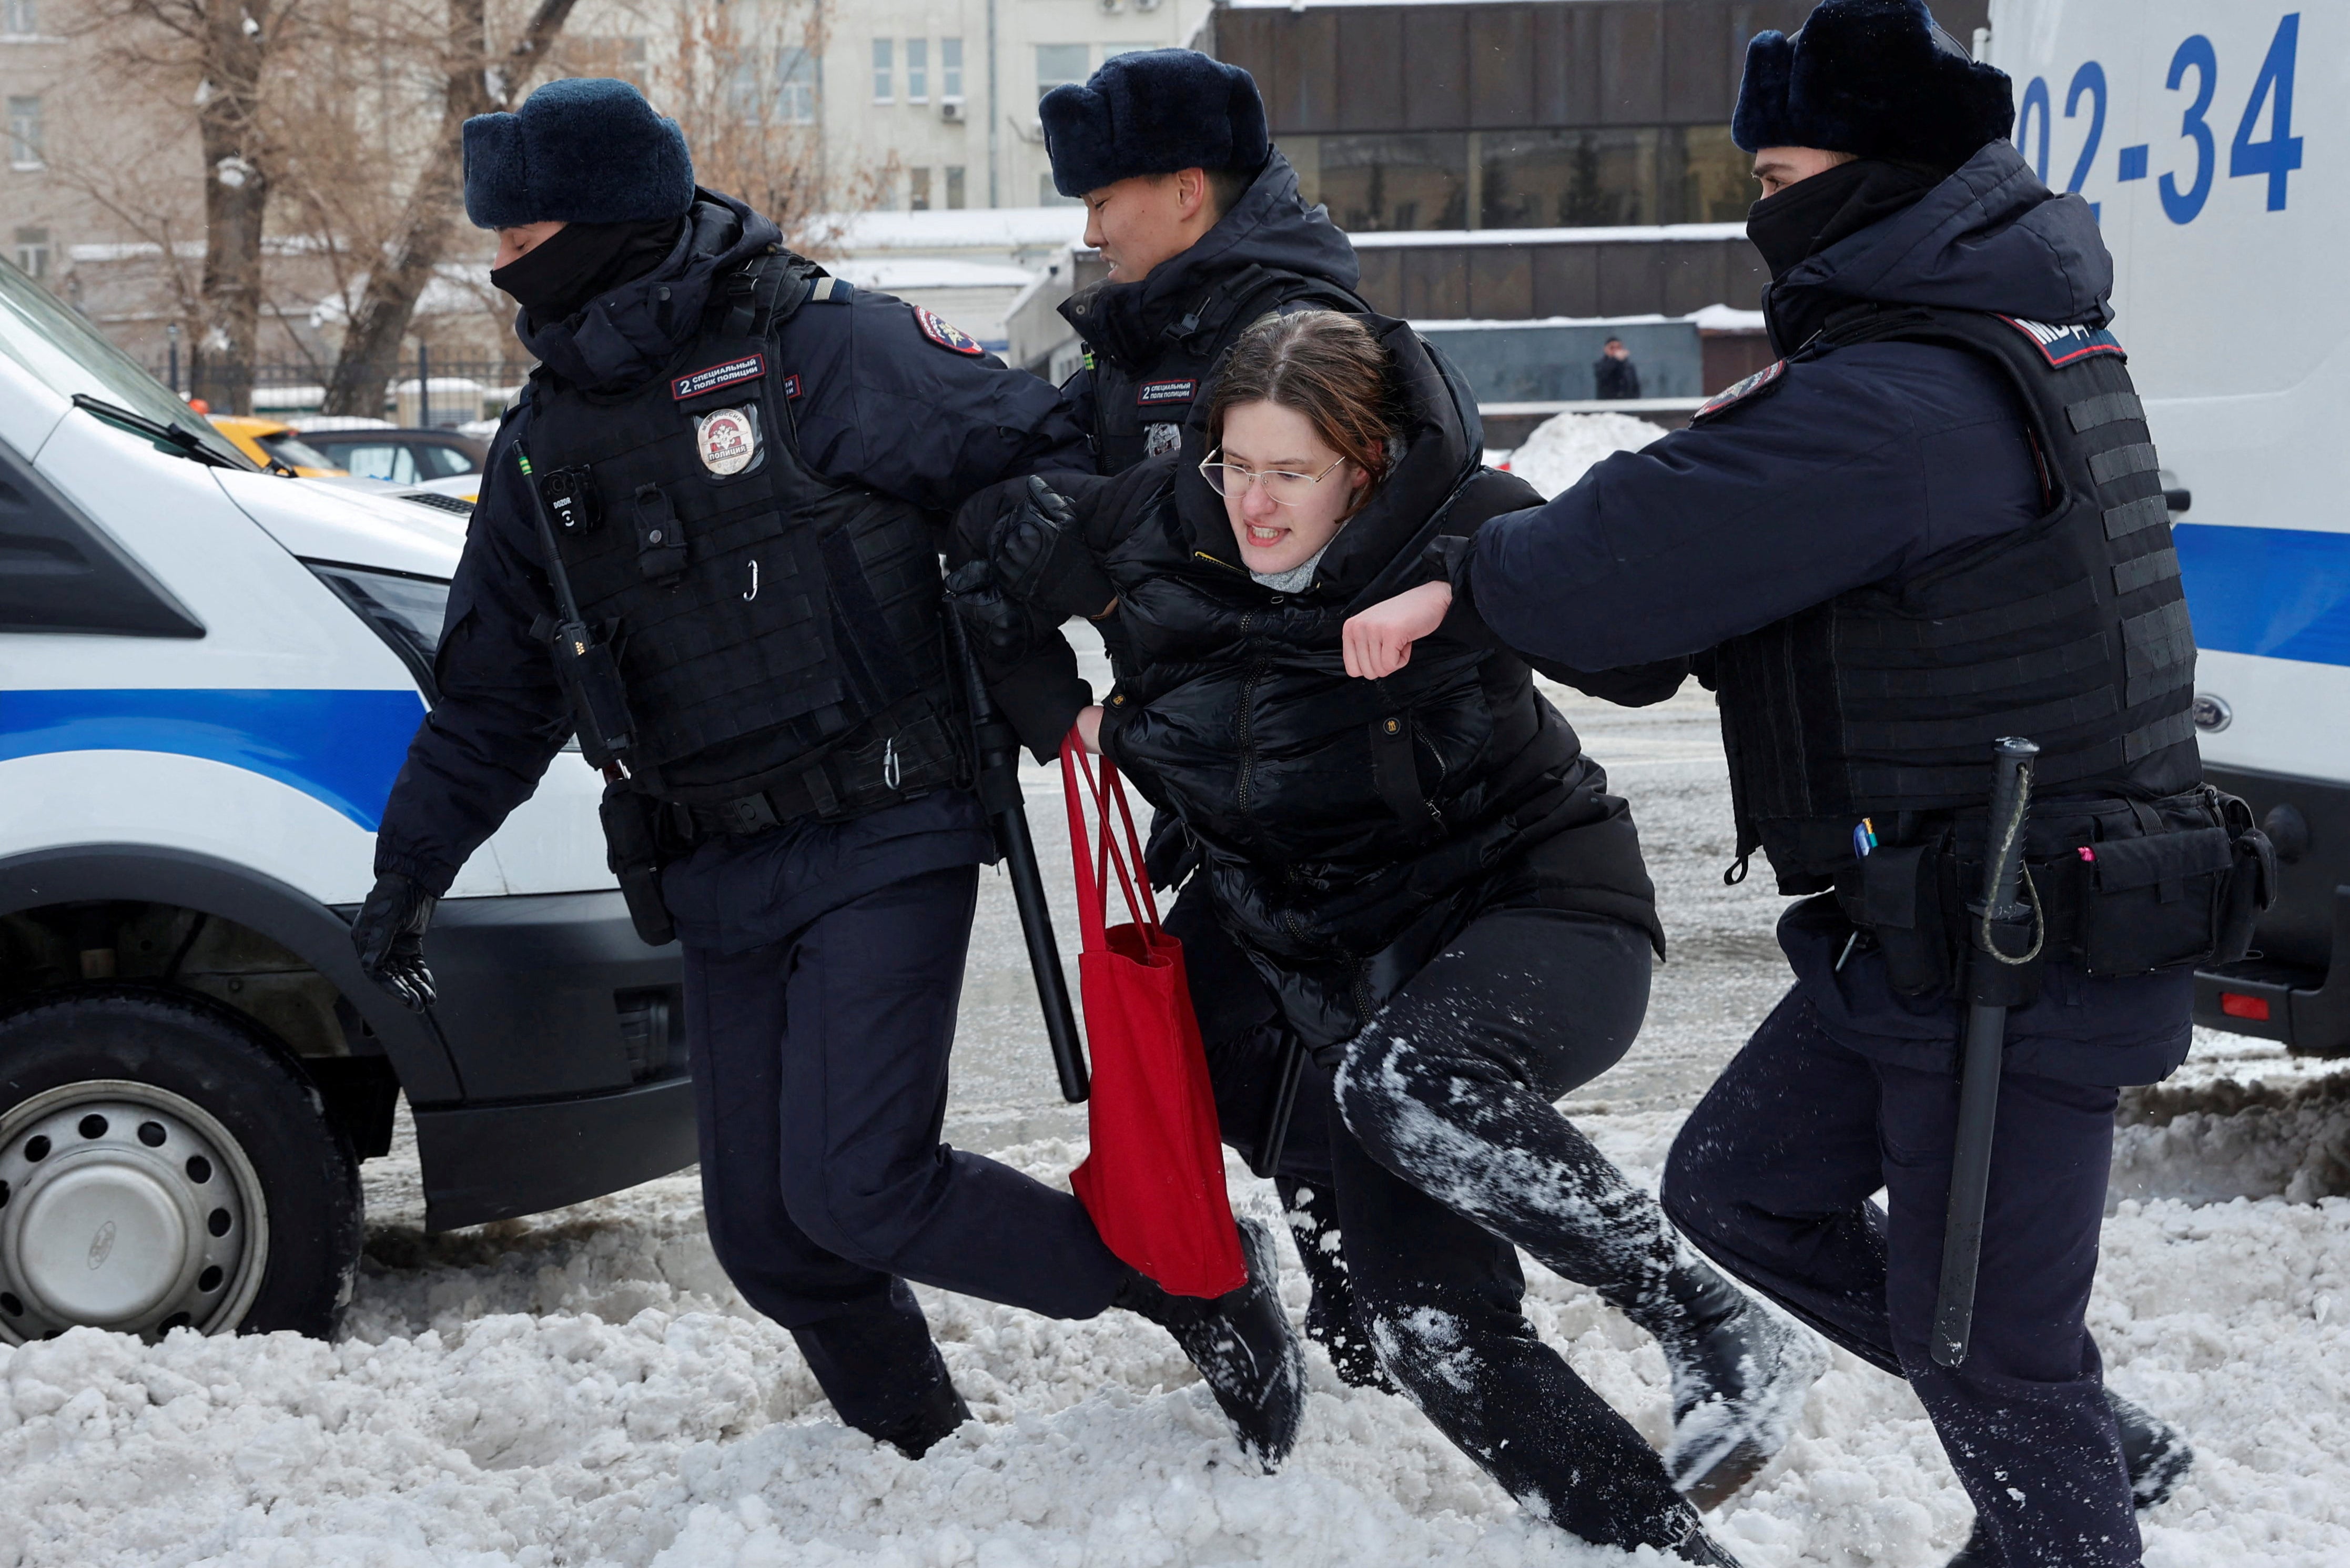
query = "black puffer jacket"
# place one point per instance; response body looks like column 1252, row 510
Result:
column 1349, row 828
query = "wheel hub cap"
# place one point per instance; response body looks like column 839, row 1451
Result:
column 126, row 1207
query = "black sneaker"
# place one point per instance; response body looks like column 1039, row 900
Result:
column 1242, row 1345
column 932, row 1422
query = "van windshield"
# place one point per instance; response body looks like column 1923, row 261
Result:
column 67, row 353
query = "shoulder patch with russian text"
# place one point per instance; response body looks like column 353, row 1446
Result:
column 749, row 367
column 944, row 333
column 1731, row 397
column 1151, row 392
column 2064, row 344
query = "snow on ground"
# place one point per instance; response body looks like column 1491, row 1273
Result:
column 583, row 1388
column 1562, row 447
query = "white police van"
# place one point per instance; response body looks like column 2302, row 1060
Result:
column 2215, row 141
column 209, row 676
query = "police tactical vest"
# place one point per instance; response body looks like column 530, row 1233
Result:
column 1140, row 410
column 2073, row 632
column 777, row 632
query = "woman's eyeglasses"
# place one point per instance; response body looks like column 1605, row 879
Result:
column 1283, row 487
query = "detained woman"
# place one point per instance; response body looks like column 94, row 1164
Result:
column 1421, row 879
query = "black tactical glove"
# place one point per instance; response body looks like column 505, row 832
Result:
column 1005, row 630
column 1042, row 560
column 388, row 932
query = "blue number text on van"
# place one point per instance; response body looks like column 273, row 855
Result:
column 2183, row 196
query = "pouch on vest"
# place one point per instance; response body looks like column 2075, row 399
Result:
column 632, row 850
column 1894, row 893
column 2158, row 900
column 660, row 537
column 2251, row 879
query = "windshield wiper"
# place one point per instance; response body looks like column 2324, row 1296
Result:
column 174, row 435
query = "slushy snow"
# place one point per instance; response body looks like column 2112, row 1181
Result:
column 585, row 1388
column 1563, row 447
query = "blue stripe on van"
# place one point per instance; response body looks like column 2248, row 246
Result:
column 2284, row 593
column 341, row 747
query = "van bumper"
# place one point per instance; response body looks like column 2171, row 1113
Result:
column 567, row 1034
column 2297, row 989
column 495, row 1162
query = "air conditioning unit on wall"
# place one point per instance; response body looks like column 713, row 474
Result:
column 951, row 110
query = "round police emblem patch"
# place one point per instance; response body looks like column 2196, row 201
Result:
column 728, row 439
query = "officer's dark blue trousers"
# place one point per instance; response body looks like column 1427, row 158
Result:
column 1771, row 1178
column 820, row 1083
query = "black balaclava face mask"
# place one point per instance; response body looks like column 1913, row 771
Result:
column 556, row 277
column 1812, row 214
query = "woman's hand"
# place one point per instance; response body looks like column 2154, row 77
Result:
column 1379, row 642
column 1090, row 728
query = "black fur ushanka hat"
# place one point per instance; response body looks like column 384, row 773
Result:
column 1152, row 113
column 1872, row 77
column 587, row 150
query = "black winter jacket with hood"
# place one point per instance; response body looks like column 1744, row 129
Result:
column 1150, row 362
column 1349, row 828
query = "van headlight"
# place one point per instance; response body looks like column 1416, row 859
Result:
column 406, row 611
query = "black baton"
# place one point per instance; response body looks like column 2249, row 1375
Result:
column 1275, row 1136
column 1000, row 796
column 2010, row 801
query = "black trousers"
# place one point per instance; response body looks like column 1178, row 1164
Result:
column 1771, row 1178
column 1435, row 1132
column 820, row 1084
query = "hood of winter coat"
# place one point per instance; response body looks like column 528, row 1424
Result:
column 628, row 334
column 1992, row 237
column 1442, row 449
column 1270, row 225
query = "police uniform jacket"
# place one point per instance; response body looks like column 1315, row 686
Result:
column 1877, row 470
column 883, row 396
column 1348, row 828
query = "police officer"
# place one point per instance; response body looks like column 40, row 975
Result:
column 727, row 584
column 1935, row 522
column 1200, row 222
column 1200, row 219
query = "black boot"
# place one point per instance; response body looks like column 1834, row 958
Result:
column 2154, row 1453
column 1330, row 1310
column 1739, row 1376
column 933, row 1420
column 1242, row 1345
column 882, row 1372
column 1697, row 1546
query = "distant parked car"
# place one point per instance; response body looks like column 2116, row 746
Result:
column 274, row 444
column 402, row 456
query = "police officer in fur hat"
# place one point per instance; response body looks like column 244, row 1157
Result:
column 706, row 543
column 1200, row 220
column 1936, row 522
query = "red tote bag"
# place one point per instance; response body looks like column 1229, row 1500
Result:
column 1154, row 1181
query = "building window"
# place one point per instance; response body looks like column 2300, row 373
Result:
column 1394, row 182
column 24, row 133
column 1058, row 64
column 950, row 68
column 918, row 190
column 884, row 72
column 795, row 86
column 17, row 19
column 955, row 199
column 33, row 251
column 1569, row 179
column 918, row 70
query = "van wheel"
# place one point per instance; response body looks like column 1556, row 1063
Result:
column 163, row 1166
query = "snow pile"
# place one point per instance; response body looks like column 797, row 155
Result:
column 585, row 1389
column 1564, row 446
